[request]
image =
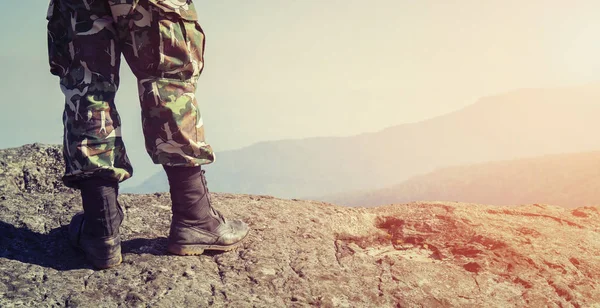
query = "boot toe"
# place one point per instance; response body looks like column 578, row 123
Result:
column 232, row 232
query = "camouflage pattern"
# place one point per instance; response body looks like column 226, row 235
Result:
column 163, row 45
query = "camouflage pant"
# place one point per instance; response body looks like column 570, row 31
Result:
column 163, row 45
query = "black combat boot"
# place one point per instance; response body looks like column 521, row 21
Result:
column 96, row 229
column 196, row 226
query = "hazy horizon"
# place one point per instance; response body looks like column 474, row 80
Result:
column 279, row 70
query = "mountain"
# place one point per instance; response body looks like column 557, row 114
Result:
column 298, row 254
column 523, row 123
column 568, row 180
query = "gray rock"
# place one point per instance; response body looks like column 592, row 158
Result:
column 299, row 253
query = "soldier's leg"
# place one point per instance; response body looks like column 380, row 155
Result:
column 164, row 48
column 84, row 53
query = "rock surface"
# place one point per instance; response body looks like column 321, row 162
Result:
column 299, row 253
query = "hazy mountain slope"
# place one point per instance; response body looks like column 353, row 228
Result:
column 522, row 123
column 568, row 180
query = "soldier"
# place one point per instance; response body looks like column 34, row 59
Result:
column 163, row 44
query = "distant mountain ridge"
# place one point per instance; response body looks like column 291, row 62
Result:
column 567, row 180
column 522, row 123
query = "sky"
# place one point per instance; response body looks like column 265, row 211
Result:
column 279, row 69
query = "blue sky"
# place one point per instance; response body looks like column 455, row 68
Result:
column 293, row 69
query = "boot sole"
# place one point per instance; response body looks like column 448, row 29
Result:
column 196, row 250
column 106, row 264
column 101, row 264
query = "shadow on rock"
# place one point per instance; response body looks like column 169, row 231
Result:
column 47, row 250
column 153, row 246
column 54, row 251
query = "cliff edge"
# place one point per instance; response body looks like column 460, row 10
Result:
column 299, row 253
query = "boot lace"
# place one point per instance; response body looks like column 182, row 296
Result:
column 213, row 211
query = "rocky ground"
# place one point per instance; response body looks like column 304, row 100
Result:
column 299, row 253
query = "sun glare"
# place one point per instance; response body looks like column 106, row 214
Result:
column 580, row 48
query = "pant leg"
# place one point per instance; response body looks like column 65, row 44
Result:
column 85, row 53
column 164, row 46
